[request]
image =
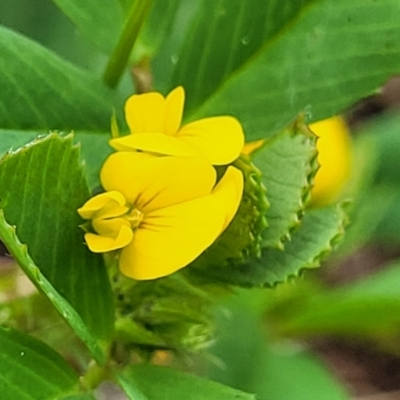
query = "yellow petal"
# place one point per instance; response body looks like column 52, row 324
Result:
column 174, row 110
column 153, row 142
column 150, row 183
column 334, row 157
column 102, row 244
column 169, row 239
column 229, row 192
column 250, row 147
column 109, row 204
column 220, row 139
column 145, row 112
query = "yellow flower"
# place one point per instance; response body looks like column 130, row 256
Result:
column 162, row 212
column 334, row 157
column 155, row 125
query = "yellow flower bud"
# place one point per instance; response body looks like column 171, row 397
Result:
column 334, row 157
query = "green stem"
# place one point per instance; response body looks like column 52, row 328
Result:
column 119, row 58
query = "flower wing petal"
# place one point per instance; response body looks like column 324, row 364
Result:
column 102, row 244
column 150, row 183
column 229, row 192
column 154, row 142
column 171, row 238
column 220, row 139
column 174, row 110
column 109, row 204
column 145, row 112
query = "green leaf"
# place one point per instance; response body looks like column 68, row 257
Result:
column 30, row 370
column 319, row 231
column 94, row 148
column 308, row 57
column 149, row 382
column 287, row 163
column 41, row 187
column 100, row 21
column 20, row 254
column 252, row 362
column 368, row 309
column 159, row 24
column 47, row 92
column 79, row 397
column 381, row 137
column 230, row 33
column 104, row 28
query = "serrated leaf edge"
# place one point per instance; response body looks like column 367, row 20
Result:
column 20, row 253
column 330, row 245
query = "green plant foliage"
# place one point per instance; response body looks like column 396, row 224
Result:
column 89, row 15
column 149, row 382
column 167, row 313
column 376, row 215
column 94, row 148
column 286, row 165
column 293, row 154
column 382, row 135
column 160, row 24
column 20, row 254
column 368, row 309
column 30, row 370
column 249, row 360
column 318, row 233
column 41, row 187
column 310, row 59
column 41, row 91
column 231, row 32
column 275, row 66
column 100, row 21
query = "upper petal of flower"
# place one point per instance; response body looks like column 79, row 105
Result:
column 229, row 192
column 151, row 183
column 145, row 112
column 174, row 110
column 219, row 139
column 154, row 142
column 169, row 239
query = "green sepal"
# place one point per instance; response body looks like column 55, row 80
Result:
column 242, row 239
column 278, row 180
column 288, row 163
column 166, row 313
column 319, row 233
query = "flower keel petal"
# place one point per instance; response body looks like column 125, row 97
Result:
column 102, row 244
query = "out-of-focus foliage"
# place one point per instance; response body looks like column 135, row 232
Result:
column 276, row 66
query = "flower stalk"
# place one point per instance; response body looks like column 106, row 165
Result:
column 119, row 58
